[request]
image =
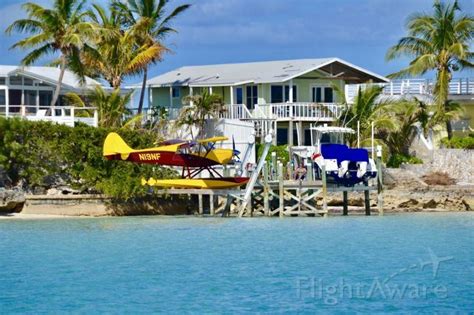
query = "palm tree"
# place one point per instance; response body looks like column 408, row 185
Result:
column 111, row 105
column 410, row 115
column 369, row 108
column 62, row 29
column 116, row 52
column 152, row 13
column 205, row 106
column 440, row 42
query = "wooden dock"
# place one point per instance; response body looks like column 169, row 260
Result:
column 277, row 191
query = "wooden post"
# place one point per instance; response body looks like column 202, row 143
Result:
column 250, row 207
column 309, row 171
column 96, row 118
column 367, row 199
column 344, row 202
column 379, row 181
column 325, row 189
column 274, row 164
column 200, row 204
column 211, row 204
column 280, row 190
column 266, row 205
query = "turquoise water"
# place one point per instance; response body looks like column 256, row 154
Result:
column 170, row 264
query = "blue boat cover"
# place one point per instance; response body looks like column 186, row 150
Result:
column 341, row 152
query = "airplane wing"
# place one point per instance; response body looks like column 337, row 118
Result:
column 214, row 139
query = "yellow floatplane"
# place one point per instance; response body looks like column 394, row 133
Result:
column 193, row 156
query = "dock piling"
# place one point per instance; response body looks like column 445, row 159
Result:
column 280, row 190
column 379, row 181
column 344, row 202
column 367, row 199
column 266, row 201
column 325, row 189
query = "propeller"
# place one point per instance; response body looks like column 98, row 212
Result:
column 234, row 150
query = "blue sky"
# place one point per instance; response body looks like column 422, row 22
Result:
column 222, row 31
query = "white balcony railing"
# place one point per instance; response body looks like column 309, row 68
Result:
column 458, row 86
column 236, row 111
column 285, row 111
column 325, row 112
column 67, row 115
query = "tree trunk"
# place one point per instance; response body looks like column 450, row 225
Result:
column 449, row 129
column 60, row 80
column 142, row 93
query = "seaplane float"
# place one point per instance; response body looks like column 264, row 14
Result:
column 193, row 157
column 344, row 165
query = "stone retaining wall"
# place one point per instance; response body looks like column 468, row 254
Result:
column 459, row 164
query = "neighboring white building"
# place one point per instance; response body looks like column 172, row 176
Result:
column 28, row 91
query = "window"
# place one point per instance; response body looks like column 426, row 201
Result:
column 252, row 96
column 307, row 137
column 240, row 95
column 2, row 97
column 281, row 94
column 3, row 81
column 328, row 95
column 30, row 97
column 282, row 136
column 16, row 80
column 45, row 98
column 175, row 92
column 27, row 81
column 276, row 94
column 14, row 98
column 322, row 94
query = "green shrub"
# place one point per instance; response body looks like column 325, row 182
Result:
column 281, row 152
column 32, row 152
column 459, row 142
column 398, row 159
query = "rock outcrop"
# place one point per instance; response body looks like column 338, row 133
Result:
column 11, row 200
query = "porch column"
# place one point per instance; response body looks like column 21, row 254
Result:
column 7, row 102
column 231, row 95
column 210, row 90
column 22, row 107
column 171, row 96
column 300, row 133
column 150, row 97
column 37, row 100
column 290, row 96
column 290, row 134
column 191, row 95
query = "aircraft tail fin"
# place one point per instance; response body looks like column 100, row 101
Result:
column 114, row 144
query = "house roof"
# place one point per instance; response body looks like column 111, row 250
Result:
column 50, row 75
column 263, row 72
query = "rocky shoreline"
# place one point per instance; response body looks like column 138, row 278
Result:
column 425, row 199
column 405, row 190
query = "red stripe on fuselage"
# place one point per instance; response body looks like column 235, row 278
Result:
column 166, row 158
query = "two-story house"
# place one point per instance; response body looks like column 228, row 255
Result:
column 287, row 96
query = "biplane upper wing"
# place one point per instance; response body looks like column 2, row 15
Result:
column 213, row 140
